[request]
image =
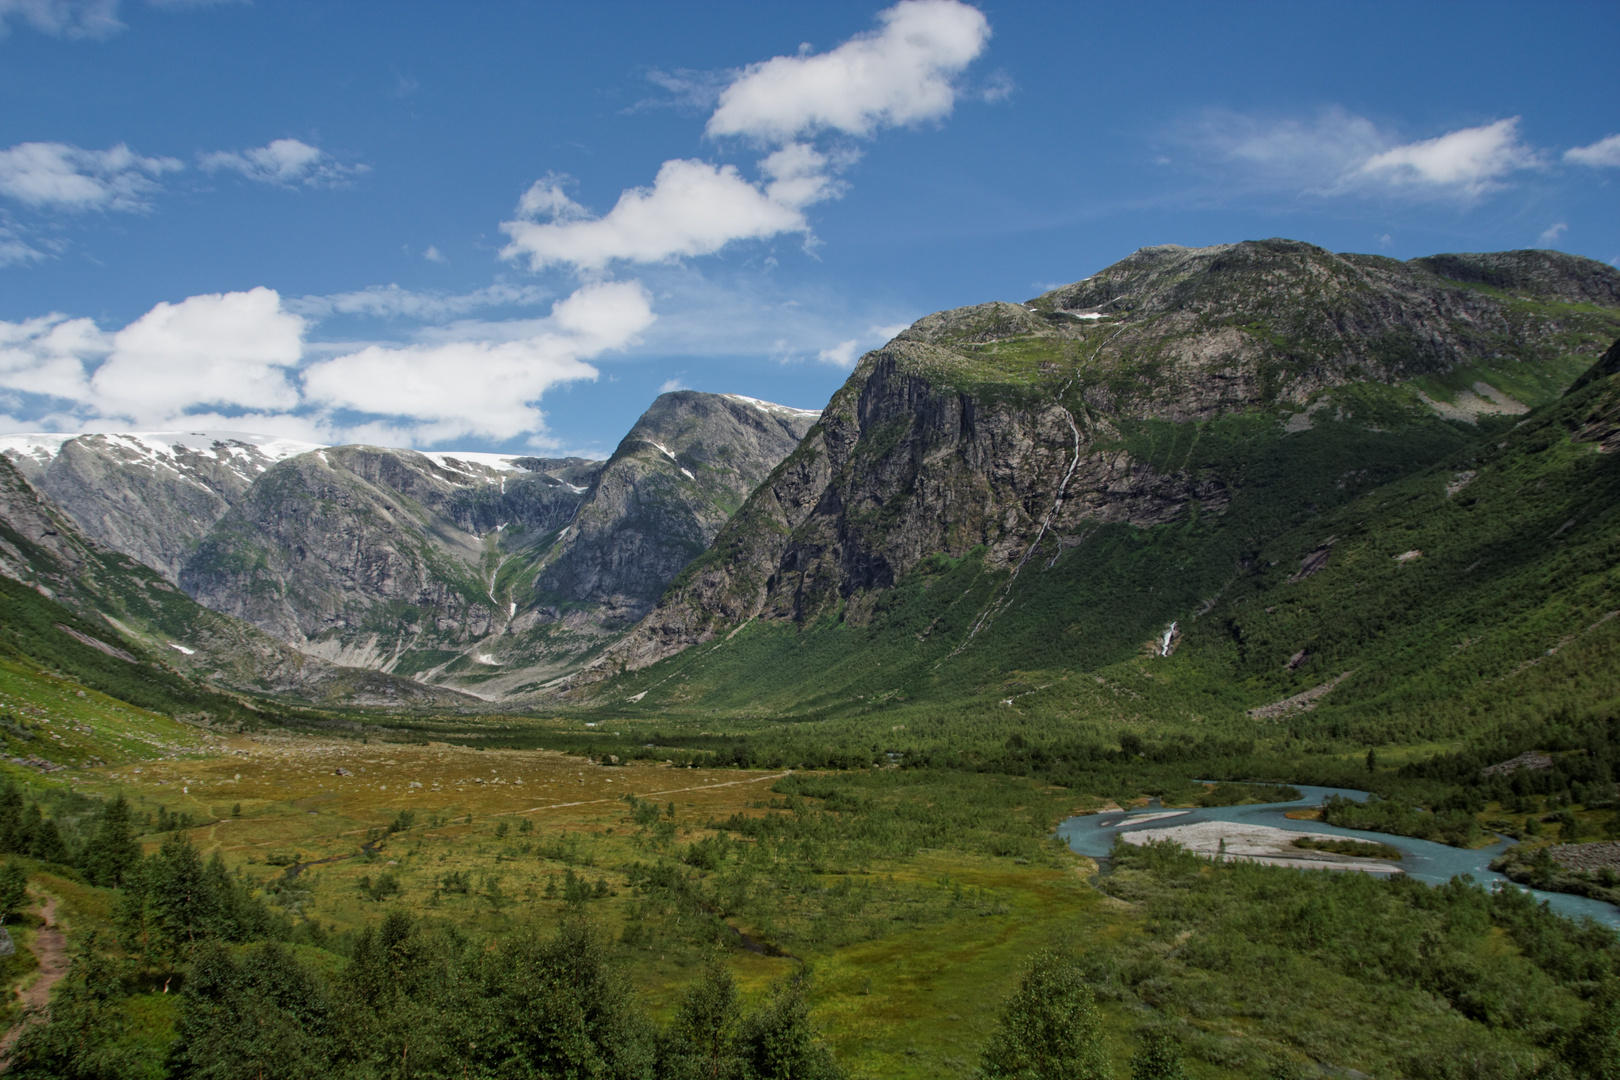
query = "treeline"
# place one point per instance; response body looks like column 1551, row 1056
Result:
column 424, row 1004
column 1348, row 968
column 105, row 852
column 1584, row 764
column 1455, row 827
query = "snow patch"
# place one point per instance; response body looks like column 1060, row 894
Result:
column 1084, row 316
column 244, row 452
column 457, row 460
column 182, row 648
column 772, row 407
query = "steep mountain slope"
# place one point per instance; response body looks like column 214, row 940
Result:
column 1111, row 454
column 159, row 630
column 484, row 572
column 675, row 479
column 152, row 495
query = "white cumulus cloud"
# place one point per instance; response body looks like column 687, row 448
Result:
column 46, row 356
column 840, row 355
column 220, row 350
column 1469, row 161
column 692, row 208
column 899, row 74
column 1554, row 231
column 1604, row 152
column 59, row 176
column 285, row 162
column 491, row 389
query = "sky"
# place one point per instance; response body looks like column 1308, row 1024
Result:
column 510, row 226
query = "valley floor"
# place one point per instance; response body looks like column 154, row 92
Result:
column 913, row 898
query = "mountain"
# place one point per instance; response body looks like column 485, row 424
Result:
column 1062, row 480
column 675, row 479
column 488, row 572
column 124, row 609
column 152, row 495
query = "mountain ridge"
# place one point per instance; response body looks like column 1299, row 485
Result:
column 1020, row 429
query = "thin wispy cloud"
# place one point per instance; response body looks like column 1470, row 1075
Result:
column 62, row 18
column 285, row 163
column 393, row 302
column 57, row 176
column 1605, row 153
column 1337, row 153
column 81, row 19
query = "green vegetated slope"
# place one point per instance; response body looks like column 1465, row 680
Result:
column 1361, row 535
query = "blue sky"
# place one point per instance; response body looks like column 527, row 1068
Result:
column 508, row 226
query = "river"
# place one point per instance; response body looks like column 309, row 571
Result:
column 1093, row 835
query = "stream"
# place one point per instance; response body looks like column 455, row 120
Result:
column 1435, row 864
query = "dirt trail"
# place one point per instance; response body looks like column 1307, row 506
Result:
column 50, row 948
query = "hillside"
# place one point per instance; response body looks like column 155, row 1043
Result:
column 125, row 610
column 1011, row 494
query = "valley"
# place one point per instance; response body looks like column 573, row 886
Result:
column 1052, row 635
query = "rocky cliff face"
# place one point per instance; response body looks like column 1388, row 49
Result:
column 361, row 553
column 44, row 548
column 151, row 495
column 674, row 480
column 1021, row 429
column 478, row 570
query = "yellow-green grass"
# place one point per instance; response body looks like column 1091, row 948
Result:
column 914, row 1002
column 55, row 718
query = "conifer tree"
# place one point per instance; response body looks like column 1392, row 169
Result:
column 112, row 850
column 81, row 1039
column 13, row 888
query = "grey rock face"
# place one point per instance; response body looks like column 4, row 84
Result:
column 453, row 570
column 674, row 480
column 381, row 548
column 44, row 548
column 1001, row 425
column 152, row 495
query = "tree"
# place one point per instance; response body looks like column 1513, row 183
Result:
column 1158, row 1058
column 778, row 1042
column 1593, row 1049
column 265, row 1015
column 13, row 887
column 554, row 1008
column 81, row 1039
column 112, row 851
column 1050, row 1028
column 699, row 1042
